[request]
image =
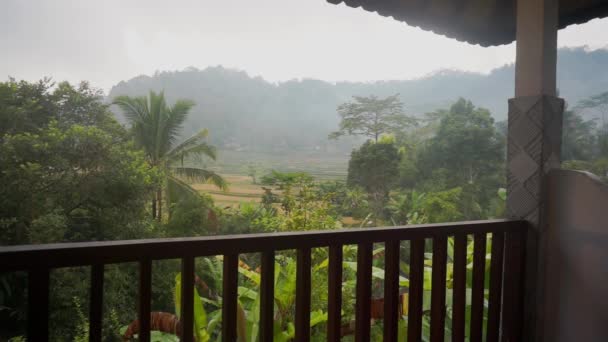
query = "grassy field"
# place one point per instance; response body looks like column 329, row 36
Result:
column 241, row 189
column 234, row 165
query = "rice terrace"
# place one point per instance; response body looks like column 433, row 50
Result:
column 237, row 167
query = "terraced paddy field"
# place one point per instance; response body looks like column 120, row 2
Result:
column 234, row 167
column 321, row 165
column 241, row 189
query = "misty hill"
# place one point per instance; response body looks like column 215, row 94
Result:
column 249, row 113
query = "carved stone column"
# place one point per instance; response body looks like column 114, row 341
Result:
column 534, row 145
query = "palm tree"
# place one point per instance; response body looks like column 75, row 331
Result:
column 156, row 128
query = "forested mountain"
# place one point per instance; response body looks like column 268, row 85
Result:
column 249, row 113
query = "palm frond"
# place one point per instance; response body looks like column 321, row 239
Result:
column 157, row 125
column 159, row 114
column 193, row 145
column 202, row 149
column 199, row 151
column 178, row 189
column 200, row 175
column 135, row 109
column 181, row 108
column 137, row 112
column 173, row 121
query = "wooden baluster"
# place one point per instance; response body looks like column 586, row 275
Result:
column 187, row 304
column 414, row 325
column 229, row 297
column 459, row 294
column 438, row 288
column 512, row 317
column 267, row 297
column 303, row 295
column 38, row 305
column 96, row 304
column 498, row 242
column 479, row 268
column 391, row 290
column 334, row 287
column 364, row 292
column 145, row 293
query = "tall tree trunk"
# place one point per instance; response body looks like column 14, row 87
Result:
column 159, row 196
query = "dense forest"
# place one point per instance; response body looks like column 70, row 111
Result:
column 70, row 171
column 249, row 113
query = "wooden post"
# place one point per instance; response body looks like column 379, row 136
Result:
column 534, row 141
column 536, row 55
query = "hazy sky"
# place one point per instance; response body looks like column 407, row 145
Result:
column 112, row 40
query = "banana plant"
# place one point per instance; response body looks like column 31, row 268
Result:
column 200, row 315
column 284, row 300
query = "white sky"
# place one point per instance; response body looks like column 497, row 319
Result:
column 106, row 41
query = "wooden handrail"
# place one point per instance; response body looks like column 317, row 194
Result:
column 505, row 290
column 72, row 254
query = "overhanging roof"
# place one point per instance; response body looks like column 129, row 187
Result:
column 484, row 22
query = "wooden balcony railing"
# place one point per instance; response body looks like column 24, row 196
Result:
column 504, row 316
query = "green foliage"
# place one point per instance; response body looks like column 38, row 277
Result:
column 372, row 117
column 578, row 140
column 192, row 216
column 305, row 210
column 68, row 173
column 585, row 143
column 285, row 179
column 25, row 106
column 599, row 104
column 466, row 152
column 68, row 169
column 249, row 218
column 154, row 124
column 375, row 168
column 466, row 143
column 407, row 208
column 79, row 179
column 200, row 315
column 156, row 127
column 82, row 329
column 408, row 166
column 304, row 205
column 443, row 206
column 342, row 199
column 284, row 299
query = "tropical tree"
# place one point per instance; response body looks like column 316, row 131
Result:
column 375, row 168
column 578, row 139
column 466, row 143
column 69, row 172
column 467, row 152
column 599, row 104
column 156, row 127
column 372, row 117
